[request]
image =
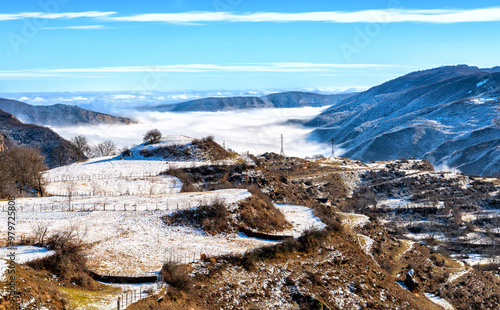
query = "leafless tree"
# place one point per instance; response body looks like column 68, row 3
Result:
column 432, row 227
column 39, row 231
column 59, row 153
column 106, row 148
column 5, row 172
column 152, row 187
column 80, row 147
column 70, row 188
column 94, row 185
column 26, row 166
column 118, row 187
column 152, row 136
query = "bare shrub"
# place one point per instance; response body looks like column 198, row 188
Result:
column 311, row 239
column 69, row 262
column 213, row 218
column 211, row 148
column 39, row 231
column 177, row 276
column 259, row 212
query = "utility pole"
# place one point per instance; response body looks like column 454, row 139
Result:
column 333, row 150
column 282, row 153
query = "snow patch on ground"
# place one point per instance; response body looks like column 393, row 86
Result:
column 457, row 275
column 409, row 244
column 301, row 217
column 473, row 259
column 482, row 100
column 439, row 301
column 23, row 254
column 481, row 83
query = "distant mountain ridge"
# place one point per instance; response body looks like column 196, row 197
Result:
column 448, row 115
column 57, row 114
column 14, row 132
column 278, row 100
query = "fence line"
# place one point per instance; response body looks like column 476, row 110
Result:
column 88, row 177
column 81, row 207
column 168, row 188
column 130, row 296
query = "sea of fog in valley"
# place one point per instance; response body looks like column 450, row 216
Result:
column 256, row 131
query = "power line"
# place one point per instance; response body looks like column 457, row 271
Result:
column 282, row 153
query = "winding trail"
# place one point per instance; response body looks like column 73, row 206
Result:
column 351, row 221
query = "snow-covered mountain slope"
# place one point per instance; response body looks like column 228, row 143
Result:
column 278, row 100
column 448, row 115
column 57, row 114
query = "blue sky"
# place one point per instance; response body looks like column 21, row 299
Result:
column 76, row 45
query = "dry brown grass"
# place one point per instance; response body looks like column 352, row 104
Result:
column 36, row 291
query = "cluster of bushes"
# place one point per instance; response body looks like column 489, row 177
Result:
column 176, row 275
column 211, row 148
column 171, row 151
column 68, row 263
column 21, row 171
column 187, row 179
column 310, row 241
column 213, row 218
column 258, row 212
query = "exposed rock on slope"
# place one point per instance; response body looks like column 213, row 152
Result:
column 57, row 115
column 448, row 115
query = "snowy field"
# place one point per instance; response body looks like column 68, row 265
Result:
column 132, row 242
column 121, row 218
column 129, row 175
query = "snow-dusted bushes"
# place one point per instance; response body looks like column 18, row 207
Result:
column 213, row 218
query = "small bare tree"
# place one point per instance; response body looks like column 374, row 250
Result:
column 106, row 148
column 39, row 231
column 70, row 188
column 80, row 147
column 60, row 153
column 152, row 136
column 432, row 227
column 94, row 185
column 26, row 166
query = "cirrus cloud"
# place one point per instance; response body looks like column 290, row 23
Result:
column 444, row 16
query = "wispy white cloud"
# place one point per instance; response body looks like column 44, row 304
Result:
column 68, row 15
column 263, row 67
column 364, row 16
column 89, row 27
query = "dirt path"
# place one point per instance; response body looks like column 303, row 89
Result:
column 351, row 221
